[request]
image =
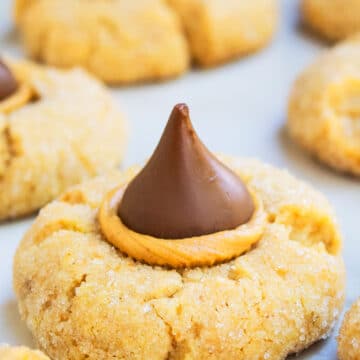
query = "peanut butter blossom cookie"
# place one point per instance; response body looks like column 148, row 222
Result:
column 191, row 257
column 20, row 353
column 349, row 338
column 332, row 19
column 324, row 108
column 124, row 41
column 57, row 129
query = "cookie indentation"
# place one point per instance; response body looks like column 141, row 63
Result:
column 61, row 216
column 344, row 100
column 22, row 96
column 310, row 228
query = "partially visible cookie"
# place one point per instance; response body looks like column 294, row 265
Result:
column 349, row 337
column 332, row 19
column 120, row 41
column 20, row 353
column 124, row 41
column 220, row 30
column 324, row 108
column 57, row 129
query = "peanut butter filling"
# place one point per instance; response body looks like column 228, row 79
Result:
column 15, row 90
column 205, row 250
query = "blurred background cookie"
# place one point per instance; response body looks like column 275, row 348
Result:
column 119, row 41
column 349, row 337
column 129, row 41
column 57, row 128
column 219, row 30
column 324, row 108
column 332, row 19
column 20, row 353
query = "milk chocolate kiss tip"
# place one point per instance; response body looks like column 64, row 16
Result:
column 8, row 84
column 184, row 191
column 182, row 108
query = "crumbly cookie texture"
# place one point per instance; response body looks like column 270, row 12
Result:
column 66, row 131
column 125, row 41
column 20, row 353
column 81, row 298
column 324, row 108
column 349, row 337
column 332, row 19
column 120, row 41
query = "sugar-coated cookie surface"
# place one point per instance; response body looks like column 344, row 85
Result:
column 324, row 108
column 349, row 337
column 81, row 298
column 332, row 19
column 58, row 129
column 124, row 41
column 20, row 353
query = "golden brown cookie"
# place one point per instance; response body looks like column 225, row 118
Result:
column 120, row 41
column 57, row 129
column 124, row 41
column 349, row 337
column 332, row 19
column 219, row 30
column 20, row 353
column 324, row 108
column 82, row 298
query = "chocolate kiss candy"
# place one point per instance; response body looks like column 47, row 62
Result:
column 8, row 84
column 184, row 191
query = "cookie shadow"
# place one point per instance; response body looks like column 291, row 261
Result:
column 307, row 33
column 11, row 36
column 21, row 218
column 310, row 35
column 16, row 331
column 314, row 350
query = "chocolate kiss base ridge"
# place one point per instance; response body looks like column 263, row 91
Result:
column 8, row 84
column 184, row 191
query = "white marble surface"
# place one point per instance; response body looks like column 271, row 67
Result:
column 238, row 109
